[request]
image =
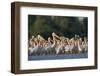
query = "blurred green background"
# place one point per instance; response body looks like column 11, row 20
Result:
column 61, row 25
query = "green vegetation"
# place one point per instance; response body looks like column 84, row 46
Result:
column 61, row 25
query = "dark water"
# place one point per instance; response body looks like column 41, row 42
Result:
column 53, row 57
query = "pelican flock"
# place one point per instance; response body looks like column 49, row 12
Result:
column 57, row 45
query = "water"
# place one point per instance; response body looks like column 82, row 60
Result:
column 63, row 56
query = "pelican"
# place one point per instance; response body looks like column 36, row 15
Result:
column 31, row 41
column 55, row 37
column 80, row 45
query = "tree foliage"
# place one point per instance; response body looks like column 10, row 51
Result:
column 61, row 25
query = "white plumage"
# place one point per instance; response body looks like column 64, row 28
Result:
column 56, row 45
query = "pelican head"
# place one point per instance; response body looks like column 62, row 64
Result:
column 38, row 36
column 53, row 33
column 32, row 37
